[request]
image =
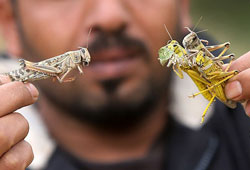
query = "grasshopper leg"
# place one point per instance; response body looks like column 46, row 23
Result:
column 80, row 69
column 218, row 74
column 179, row 72
column 216, row 47
column 204, row 41
column 231, row 56
column 205, row 111
column 196, row 76
column 61, row 79
column 213, row 86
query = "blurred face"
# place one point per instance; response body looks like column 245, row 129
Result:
column 124, row 80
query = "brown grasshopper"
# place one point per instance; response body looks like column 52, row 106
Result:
column 57, row 67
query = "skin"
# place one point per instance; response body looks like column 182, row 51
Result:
column 14, row 151
column 49, row 32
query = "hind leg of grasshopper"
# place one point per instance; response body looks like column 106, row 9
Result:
column 196, row 76
column 205, row 111
column 179, row 72
column 211, row 87
column 229, row 65
column 216, row 47
column 219, row 74
column 231, row 56
column 41, row 68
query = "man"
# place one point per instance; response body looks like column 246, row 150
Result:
column 116, row 115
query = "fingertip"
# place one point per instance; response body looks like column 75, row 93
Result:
column 33, row 91
column 233, row 90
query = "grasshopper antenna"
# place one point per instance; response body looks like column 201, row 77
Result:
column 88, row 37
column 198, row 22
column 201, row 31
column 168, row 32
column 188, row 29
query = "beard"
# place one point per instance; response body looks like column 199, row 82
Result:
column 115, row 113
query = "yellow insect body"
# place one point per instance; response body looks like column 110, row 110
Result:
column 201, row 65
column 213, row 73
column 172, row 52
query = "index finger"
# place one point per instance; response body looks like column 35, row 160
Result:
column 14, row 95
column 242, row 63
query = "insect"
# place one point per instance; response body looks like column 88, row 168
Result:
column 174, row 54
column 203, row 68
column 193, row 44
column 57, row 67
column 215, row 78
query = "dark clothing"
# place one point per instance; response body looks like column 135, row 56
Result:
column 222, row 144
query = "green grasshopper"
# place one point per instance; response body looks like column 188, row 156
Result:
column 205, row 70
column 58, row 66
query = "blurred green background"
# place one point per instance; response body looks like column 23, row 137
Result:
column 226, row 20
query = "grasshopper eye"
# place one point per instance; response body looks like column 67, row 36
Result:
column 85, row 63
column 195, row 38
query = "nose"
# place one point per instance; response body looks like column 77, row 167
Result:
column 109, row 16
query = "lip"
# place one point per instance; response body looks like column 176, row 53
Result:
column 113, row 62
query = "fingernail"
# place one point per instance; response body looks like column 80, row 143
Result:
column 33, row 91
column 233, row 89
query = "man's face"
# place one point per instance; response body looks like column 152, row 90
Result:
column 124, row 75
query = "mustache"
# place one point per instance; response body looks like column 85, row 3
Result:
column 104, row 41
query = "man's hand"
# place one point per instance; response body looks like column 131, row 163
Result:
column 238, row 87
column 15, row 153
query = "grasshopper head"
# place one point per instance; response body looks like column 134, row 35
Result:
column 191, row 41
column 171, row 53
column 165, row 55
column 85, row 56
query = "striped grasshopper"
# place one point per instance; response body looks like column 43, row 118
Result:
column 203, row 68
column 56, row 67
